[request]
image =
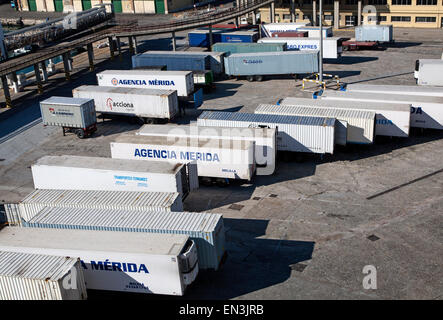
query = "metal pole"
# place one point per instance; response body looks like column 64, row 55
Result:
column 38, row 79
column 6, row 92
column 211, row 40
column 321, row 42
column 174, row 43
column 90, row 56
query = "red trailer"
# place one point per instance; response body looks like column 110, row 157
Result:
column 296, row 34
column 349, row 45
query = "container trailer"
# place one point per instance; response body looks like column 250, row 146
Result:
column 239, row 36
column 27, row 208
column 332, row 47
column 257, row 65
column 390, row 119
column 268, row 29
column 230, row 48
column 299, row 34
column 172, row 60
column 115, row 261
column 314, row 32
column 294, row 133
column 205, row 229
column 150, row 105
column 426, row 112
column 396, row 89
column 428, row 72
column 360, row 123
column 378, row 33
column 181, row 81
column 75, row 115
column 264, row 138
column 94, row 173
column 215, row 158
column 32, row 276
column 200, row 37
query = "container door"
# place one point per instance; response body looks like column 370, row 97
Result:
column 185, row 182
column 86, row 5
column 117, row 5
column 341, row 132
column 58, row 5
column 159, row 6
column 193, row 175
column 32, row 4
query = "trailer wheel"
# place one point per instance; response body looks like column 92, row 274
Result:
column 149, row 121
column 80, row 133
column 259, row 78
column 222, row 182
column 250, row 78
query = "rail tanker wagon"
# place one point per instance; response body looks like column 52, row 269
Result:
column 172, row 61
column 426, row 112
column 216, row 158
column 115, row 261
column 181, row 81
column 93, row 173
column 360, row 124
column 27, row 208
column 265, row 138
column 390, row 119
column 332, row 47
column 257, row 65
column 295, row 134
column 149, row 104
column 75, row 115
column 396, row 89
column 29, row 276
column 205, row 229
column 230, row 48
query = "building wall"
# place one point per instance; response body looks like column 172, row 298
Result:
column 282, row 12
column 174, row 5
column 41, row 5
column 77, row 5
column 149, row 6
column 128, row 6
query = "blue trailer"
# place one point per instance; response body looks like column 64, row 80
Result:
column 240, row 36
column 256, row 65
column 200, row 37
column 172, row 60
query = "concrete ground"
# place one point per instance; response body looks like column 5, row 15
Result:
column 307, row 231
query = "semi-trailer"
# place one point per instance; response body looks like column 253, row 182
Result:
column 426, row 112
column 230, row 48
column 395, row 89
column 150, row 105
column 390, row 120
column 295, row 134
column 75, row 115
column 215, row 158
column 314, row 32
column 239, row 36
column 428, row 72
column 205, row 229
column 26, row 209
column 373, row 32
column 95, row 173
column 299, row 34
column 268, row 29
column 257, row 65
column 115, row 261
column 172, row 60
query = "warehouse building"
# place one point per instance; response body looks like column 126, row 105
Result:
column 124, row 6
column 344, row 13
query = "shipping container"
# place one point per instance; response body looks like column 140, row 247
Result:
column 72, row 114
column 239, row 36
column 299, row 34
column 31, row 276
column 360, row 123
column 93, row 173
column 181, row 81
column 396, row 89
column 230, row 48
column 426, row 112
column 91, row 199
column 390, row 119
column 332, row 47
column 428, row 72
column 205, row 229
column 203, row 78
column 268, row 29
column 314, row 32
column 296, row 134
column 215, row 158
column 200, row 37
column 148, row 104
column 380, row 33
column 264, row 138
column 115, row 261
column 271, row 63
column 152, row 68
column 172, row 60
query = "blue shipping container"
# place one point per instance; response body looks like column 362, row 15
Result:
column 240, row 36
column 172, row 61
column 200, row 38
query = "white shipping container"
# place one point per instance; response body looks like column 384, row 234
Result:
column 428, row 72
column 426, row 112
column 93, row 173
column 31, row 276
column 181, row 81
column 144, row 103
column 332, row 48
column 271, row 28
column 217, row 158
column 92, row 199
column 360, row 123
column 265, row 138
column 296, row 134
column 314, row 31
column 115, row 261
column 390, row 119
column 396, row 89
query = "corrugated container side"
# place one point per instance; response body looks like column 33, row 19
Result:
column 26, row 276
column 68, row 112
column 379, row 33
column 231, row 48
column 397, row 89
column 206, row 229
column 172, row 61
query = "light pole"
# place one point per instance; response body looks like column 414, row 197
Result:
column 320, row 62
